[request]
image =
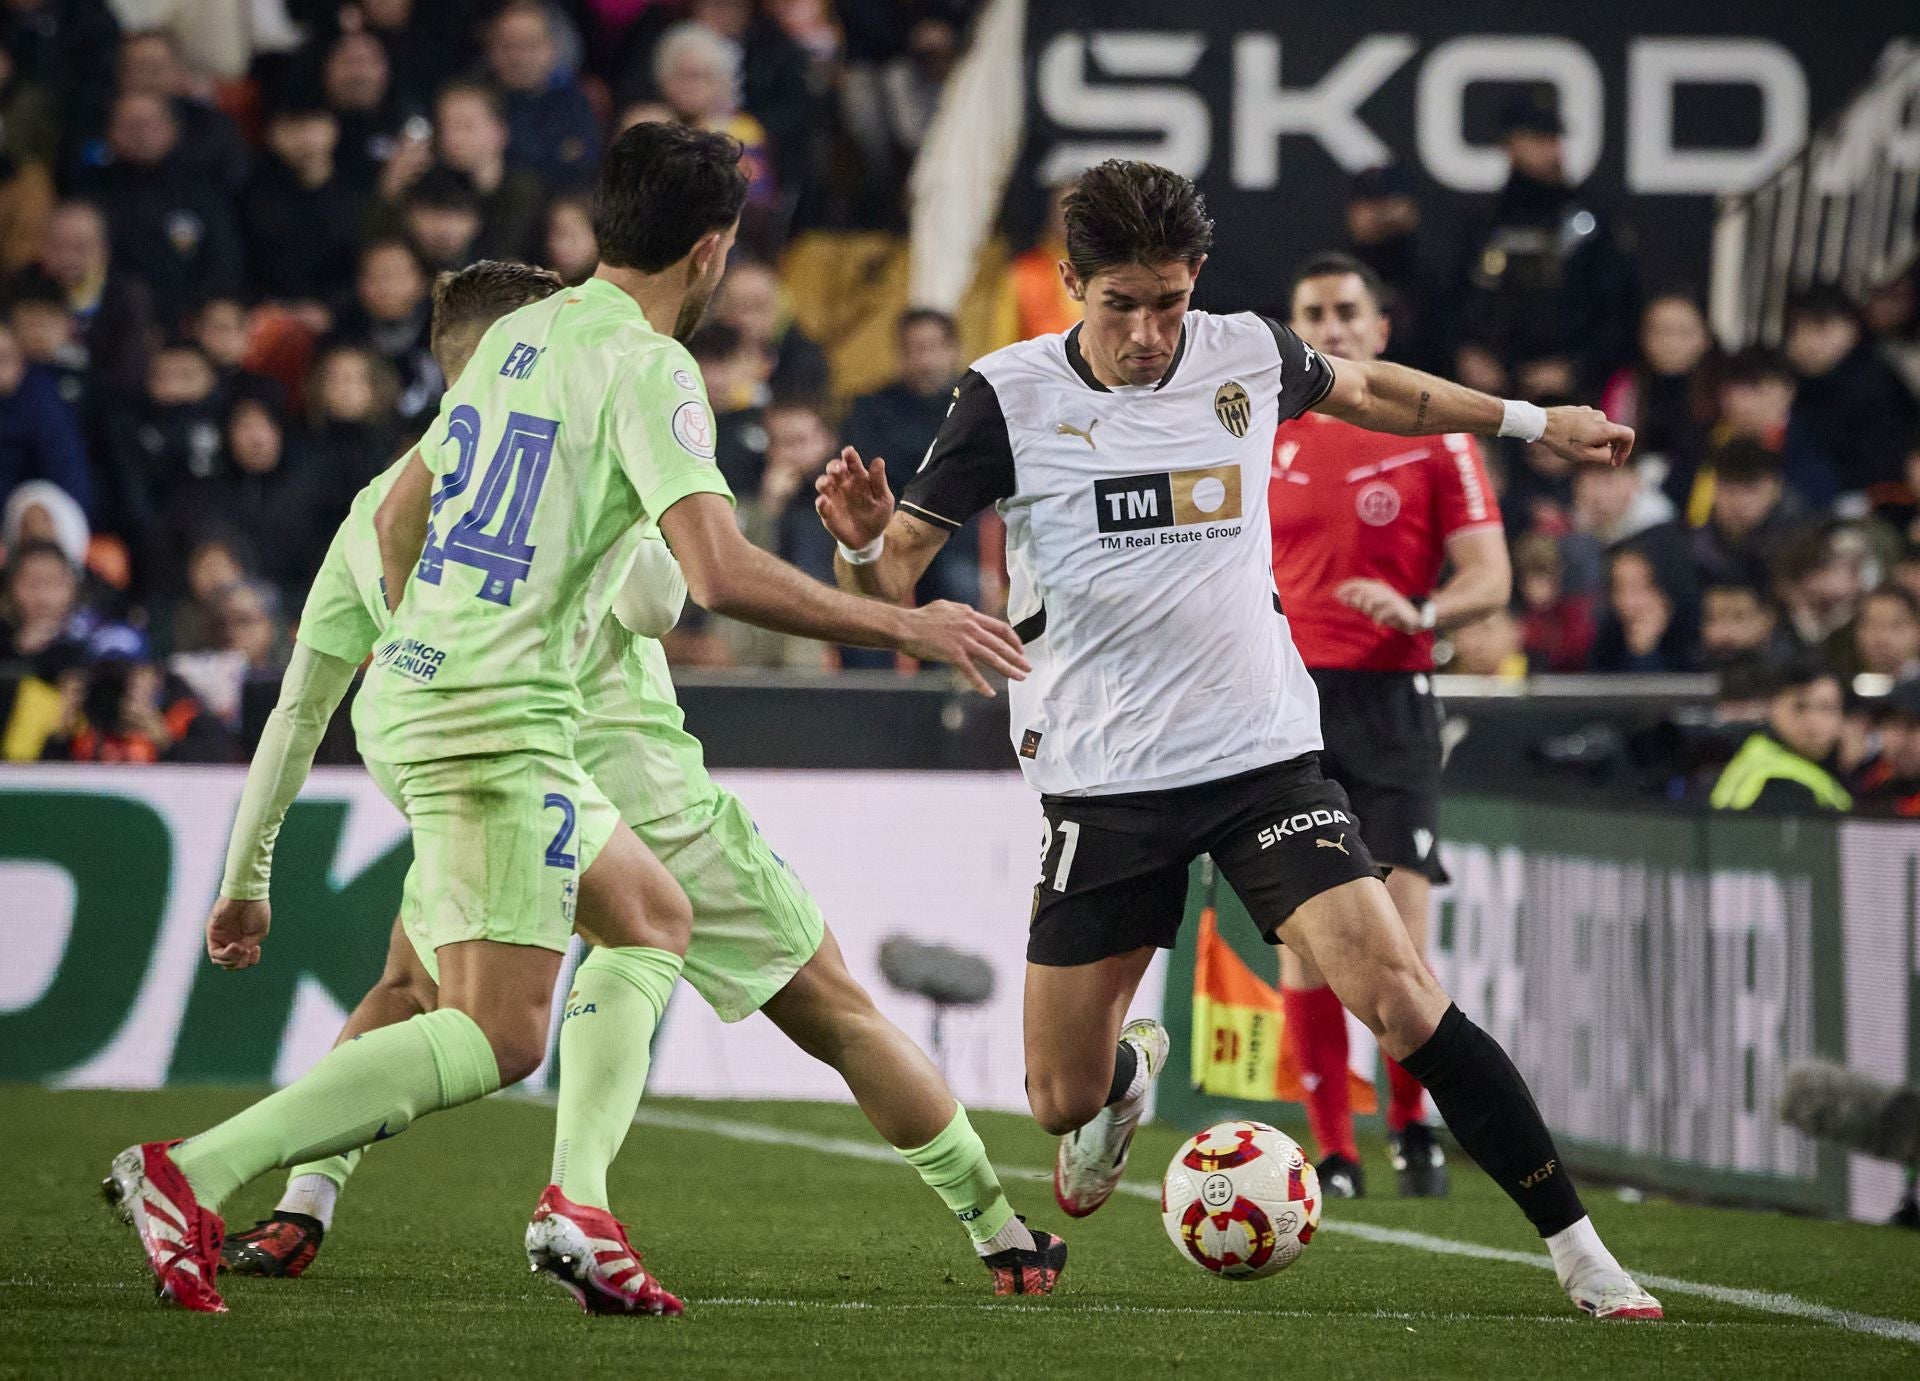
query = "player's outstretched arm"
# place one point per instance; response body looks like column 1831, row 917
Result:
column 882, row 552
column 1385, row 397
column 400, row 524
column 311, row 690
column 729, row 575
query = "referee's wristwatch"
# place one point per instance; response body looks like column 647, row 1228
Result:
column 1429, row 613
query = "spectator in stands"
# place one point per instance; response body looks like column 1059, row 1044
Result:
column 551, row 127
column 1892, row 316
column 29, row 117
column 1556, row 630
column 67, row 48
column 158, row 443
column 427, row 41
column 113, row 312
column 1614, row 505
column 570, row 249
column 1751, row 513
column 48, row 337
column 266, row 492
column 698, row 76
column 170, row 227
column 132, row 712
column 1896, row 507
column 46, row 623
column 472, row 141
column 1818, row 588
column 39, row 436
column 441, row 213
column 732, row 371
column 1890, row 784
column 210, row 143
column 1551, row 291
column 1042, row 306
column 356, row 82
column 1641, row 628
column 390, row 314
column 1906, row 568
column 1849, row 402
column 782, row 72
column 1383, row 232
column 351, row 427
column 1536, row 490
column 1489, row 646
column 1886, row 634
column 752, row 301
column 888, row 113
column 220, row 329
column 214, row 562
column 1790, row 765
column 300, row 217
column 29, row 151
column 899, row 423
column 779, row 518
column 251, row 626
column 1667, row 394
column 1755, row 403
column 1738, row 622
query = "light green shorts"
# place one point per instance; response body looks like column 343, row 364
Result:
column 754, row 925
column 499, row 844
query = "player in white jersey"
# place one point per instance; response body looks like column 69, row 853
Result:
column 1168, row 714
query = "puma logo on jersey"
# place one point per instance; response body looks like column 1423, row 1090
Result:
column 1068, row 429
column 1305, row 820
column 1340, row 844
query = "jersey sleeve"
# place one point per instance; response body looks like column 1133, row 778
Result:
column 1463, row 494
column 969, row 465
column 663, row 431
column 1305, row 375
column 335, row 619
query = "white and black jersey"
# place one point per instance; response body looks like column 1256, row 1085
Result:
column 1138, row 551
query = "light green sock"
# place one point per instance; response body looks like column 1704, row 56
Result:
column 365, row 1090
column 606, row 1039
column 955, row 1166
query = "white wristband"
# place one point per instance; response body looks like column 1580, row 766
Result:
column 864, row 556
column 1524, row 420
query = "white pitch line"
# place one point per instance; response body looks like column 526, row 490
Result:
column 1761, row 1301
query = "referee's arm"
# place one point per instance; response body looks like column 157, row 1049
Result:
column 1385, row 397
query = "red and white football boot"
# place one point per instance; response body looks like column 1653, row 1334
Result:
column 181, row 1239
column 587, row 1251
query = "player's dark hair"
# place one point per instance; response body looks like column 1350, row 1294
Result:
column 928, row 316
column 480, row 294
column 1125, row 212
column 1334, row 264
column 661, row 188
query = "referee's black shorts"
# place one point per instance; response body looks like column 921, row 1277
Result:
column 1382, row 736
column 1114, row 875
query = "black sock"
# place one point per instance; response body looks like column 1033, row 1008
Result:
column 1125, row 1062
column 1489, row 1111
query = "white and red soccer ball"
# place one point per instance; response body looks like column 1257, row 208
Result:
column 1240, row 1200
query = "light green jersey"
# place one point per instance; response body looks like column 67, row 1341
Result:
column 573, row 422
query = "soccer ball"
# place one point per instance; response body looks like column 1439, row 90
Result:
column 1240, row 1200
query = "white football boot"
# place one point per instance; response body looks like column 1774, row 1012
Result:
column 1093, row 1158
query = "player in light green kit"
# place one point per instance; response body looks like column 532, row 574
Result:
column 758, row 942
column 512, row 802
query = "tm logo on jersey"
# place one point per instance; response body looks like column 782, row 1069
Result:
column 1174, row 499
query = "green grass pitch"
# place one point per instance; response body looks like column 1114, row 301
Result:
column 798, row 1262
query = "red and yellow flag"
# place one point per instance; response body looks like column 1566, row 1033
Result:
column 1240, row 1049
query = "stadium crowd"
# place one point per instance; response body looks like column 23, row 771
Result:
column 218, row 240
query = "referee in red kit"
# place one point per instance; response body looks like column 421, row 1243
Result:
column 1363, row 525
